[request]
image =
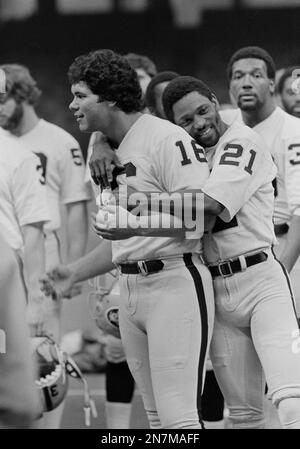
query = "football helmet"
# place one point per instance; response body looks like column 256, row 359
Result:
column 53, row 367
column 105, row 311
column 52, row 380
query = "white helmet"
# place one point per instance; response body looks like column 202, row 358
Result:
column 54, row 366
column 52, row 379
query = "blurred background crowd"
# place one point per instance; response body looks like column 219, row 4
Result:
column 194, row 37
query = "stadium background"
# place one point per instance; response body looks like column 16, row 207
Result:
column 189, row 36
column 194, row 37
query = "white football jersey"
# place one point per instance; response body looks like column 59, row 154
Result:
column 159, row 157
column 281, row 132
column 23, row 197
column 231, row 115
column 241, row 180
column 61, row 166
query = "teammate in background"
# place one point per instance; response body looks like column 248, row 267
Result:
column 18, row 395
column 251, row 74
column 23, row 214
column 288, row 92
column 155, row 90
column 144, row 67
column 157, row 325
column 278, row 74
column 61, row 169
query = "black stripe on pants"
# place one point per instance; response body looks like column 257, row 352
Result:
column 204, row 325
column 288, row 282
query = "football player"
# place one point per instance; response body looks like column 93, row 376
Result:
column 289, row 91
column 61, row 168
column 251, row 75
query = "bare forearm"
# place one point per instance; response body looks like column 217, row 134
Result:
column 77, row 230
column 34, row 256
column 96, row 262
column 292, row 245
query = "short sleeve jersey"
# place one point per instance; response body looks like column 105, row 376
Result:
column 281, row 133
column 62, row 167
column 241, row 180
column 23, row 197
column 159, row 157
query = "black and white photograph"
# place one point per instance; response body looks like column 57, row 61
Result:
column 149, row 218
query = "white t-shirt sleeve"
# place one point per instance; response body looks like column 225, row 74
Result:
column 73, row 187
column 240, row 167
column 180, row 163
column 30, row 198
column 293, row 175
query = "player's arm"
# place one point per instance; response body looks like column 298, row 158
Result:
column 179, row 165
column 101, row 160
column 34, row 255
column 240, row 167
column 95, row 263
column 34, row 267
column 74, row 195
column 30, row 201
column 291, row 250
column 76, row 229
column 181, row 168
column 176, row 222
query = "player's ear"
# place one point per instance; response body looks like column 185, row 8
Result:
column 111, row 104
column 272, row 86
column 215, row 101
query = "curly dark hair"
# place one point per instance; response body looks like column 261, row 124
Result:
column 180, row 87
column 20, row 84
column 157, row 79
column 252, row 52
column 110, row 76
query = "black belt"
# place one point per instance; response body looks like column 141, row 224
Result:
column 144, row 267
column 230, row 267
column 281, row 229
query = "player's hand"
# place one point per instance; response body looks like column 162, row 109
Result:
column 115, row 223
column 59, row 283
column 130, row 199
column 101, row 161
